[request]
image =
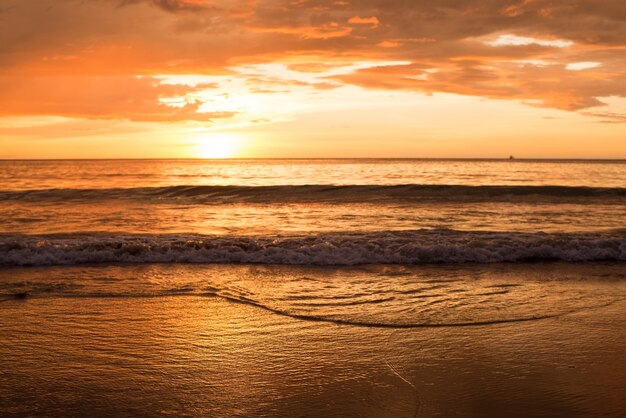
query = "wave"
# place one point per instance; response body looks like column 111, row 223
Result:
column 321, row 318
column 341, row 249
column 326, row 194
column 348, row 320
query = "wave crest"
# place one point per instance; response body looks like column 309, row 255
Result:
column 326, row 194
column 385, row 247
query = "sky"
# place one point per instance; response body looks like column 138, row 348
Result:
column 312, row 78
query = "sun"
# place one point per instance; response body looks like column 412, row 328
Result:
column 218, row 146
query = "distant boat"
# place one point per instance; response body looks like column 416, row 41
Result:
column 511, row 157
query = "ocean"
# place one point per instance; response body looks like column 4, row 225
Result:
column 311, row 212
column 308, row 287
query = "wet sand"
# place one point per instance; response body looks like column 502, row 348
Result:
column 202, row 355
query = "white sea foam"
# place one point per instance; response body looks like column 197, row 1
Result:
column 386, row 247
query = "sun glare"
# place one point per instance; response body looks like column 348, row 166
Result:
column 218, row 146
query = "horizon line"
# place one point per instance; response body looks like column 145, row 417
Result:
column 619, row 159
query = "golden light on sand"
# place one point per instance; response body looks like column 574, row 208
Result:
column 218, row 146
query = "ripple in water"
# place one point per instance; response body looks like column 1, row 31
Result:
column 374, row 296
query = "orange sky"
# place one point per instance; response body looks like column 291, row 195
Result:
column 312, row 78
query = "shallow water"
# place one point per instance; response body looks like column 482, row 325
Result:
column 302, row 341
column 383, row 296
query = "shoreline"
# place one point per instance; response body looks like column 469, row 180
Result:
column 212, row 355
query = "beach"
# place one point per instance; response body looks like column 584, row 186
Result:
column 282, row 288
column 83, row 342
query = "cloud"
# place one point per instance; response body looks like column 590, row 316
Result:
column 608, row 117
column 547, row 86
column 372, row 21
column 139, row 99
column 53, row 128
column 580, row 66
column 479, row 48
column 514, row 40
column 174, row 5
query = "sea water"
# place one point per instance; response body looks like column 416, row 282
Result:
column 186, row 283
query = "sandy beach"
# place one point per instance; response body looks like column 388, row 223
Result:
column 87, row 344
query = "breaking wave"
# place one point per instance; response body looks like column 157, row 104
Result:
column 325, row 194
column 385, row 247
